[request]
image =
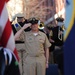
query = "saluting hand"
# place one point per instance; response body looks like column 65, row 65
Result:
column 26, row 25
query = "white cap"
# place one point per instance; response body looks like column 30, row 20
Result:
column 19, row 15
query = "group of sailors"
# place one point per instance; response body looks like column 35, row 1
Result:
column 55, row 34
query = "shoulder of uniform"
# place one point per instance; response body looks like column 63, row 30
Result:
column 42, row 33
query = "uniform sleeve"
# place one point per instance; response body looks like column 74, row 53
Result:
column 22, row 36
column 47, row 43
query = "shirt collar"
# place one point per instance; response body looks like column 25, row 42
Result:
column 31, row 33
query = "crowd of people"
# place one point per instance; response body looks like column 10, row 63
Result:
column 43, row 46
column 36, row 47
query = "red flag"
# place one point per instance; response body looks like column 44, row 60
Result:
column 6, row 33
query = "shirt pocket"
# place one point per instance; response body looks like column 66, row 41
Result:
column 41, row 40
column 30, row 40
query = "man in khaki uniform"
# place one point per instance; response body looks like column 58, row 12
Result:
column 36, row 46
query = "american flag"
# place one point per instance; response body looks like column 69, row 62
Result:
column 6, row 33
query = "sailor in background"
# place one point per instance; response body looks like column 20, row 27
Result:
column 58, row 34
column 20, row 22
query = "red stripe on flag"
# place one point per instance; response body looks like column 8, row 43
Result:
column 1, row 5
column 16, row 53
column 6, row 0
column 6, row 34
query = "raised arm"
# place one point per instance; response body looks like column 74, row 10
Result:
column 17, row 35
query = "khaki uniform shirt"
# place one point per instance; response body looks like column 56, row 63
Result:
column 35, row 45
